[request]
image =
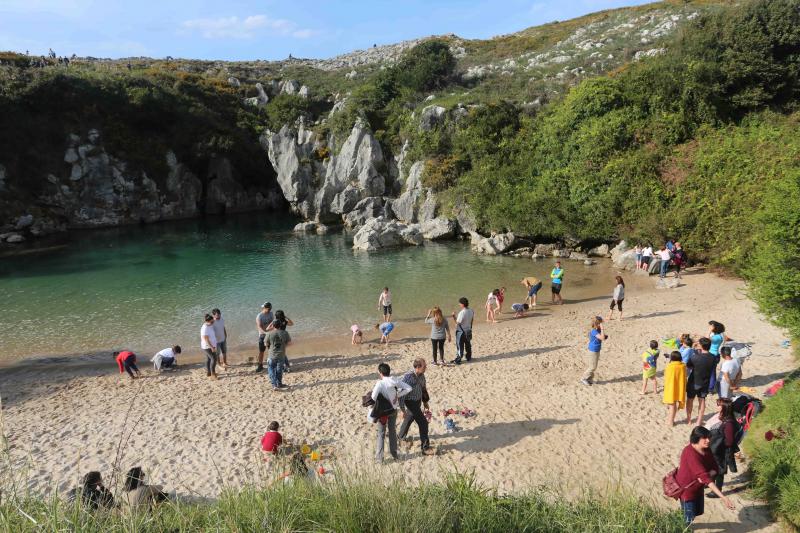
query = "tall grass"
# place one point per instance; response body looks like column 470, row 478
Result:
column 457, row 504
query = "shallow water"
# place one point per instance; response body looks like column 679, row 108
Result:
column 145, row 288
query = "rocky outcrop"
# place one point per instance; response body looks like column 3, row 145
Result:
column 625, row 260
column 364, row 210
column 379, row 233
column 438, row 228
column 599, row 251
column 431, row 116
column 416, row 203
column 493, row 245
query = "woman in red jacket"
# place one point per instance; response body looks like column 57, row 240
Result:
column 696, row 470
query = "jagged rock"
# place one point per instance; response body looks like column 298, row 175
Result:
column 571, row 242
column 667, row 283
column 15, row 238
column 303, row 92
column 561, row 252
column 322, row 229
column 578, row 256
column 405, row 207
column 350, row 75
column 494, row 245
column 464, row 219
column 224, row 193
column 427, row 210
column 378, row 233
column 625, row 260
column 364, row 210
column 184, row 186
column 289, row 87
column 430, row 97
column 24, row 221
column 263, row 99
column 430, row 117
column 600, row 251
column 544, row 250
column 620, row 248
column 305, row 227
column 233, row 82
column 290, row 152
column 438, row 228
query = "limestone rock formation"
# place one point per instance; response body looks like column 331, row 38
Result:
column 438, row 228
column 379, row 233
column 364, row 210
column 493, row 245
column 431, row 116
column 625, row 260
column 599, row 251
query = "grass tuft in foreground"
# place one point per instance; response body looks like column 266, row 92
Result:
column 458, row 504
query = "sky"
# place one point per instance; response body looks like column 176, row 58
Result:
column 262, row 29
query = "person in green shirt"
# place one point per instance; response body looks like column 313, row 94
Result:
column 557, row 277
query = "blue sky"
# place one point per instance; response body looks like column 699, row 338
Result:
column 266, row 29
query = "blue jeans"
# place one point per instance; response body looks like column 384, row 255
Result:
column 275, row 371
column 664, row 267
column 693, row 508
column 463, row 344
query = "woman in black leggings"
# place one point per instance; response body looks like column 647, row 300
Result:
column 439, row 332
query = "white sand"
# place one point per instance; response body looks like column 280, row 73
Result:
column 535, row 424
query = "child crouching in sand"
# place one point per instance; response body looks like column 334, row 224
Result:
column 358, row 335
column 674, row 386
column 386, row 329
column 649, row 362
column 519, row 309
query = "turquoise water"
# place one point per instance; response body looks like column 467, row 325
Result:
column 145, row 288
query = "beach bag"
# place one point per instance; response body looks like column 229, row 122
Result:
column 383, row 407
column 673, row 489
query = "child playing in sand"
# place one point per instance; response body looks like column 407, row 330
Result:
column 674, row 386
column 649, row 362
column 358, row 335
column 492, row 306
column 386, row 329
column 272, row 440
column 519, row 309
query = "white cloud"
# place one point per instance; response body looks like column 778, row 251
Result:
column 244, row 28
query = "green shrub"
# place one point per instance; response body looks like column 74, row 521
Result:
column 426, row 66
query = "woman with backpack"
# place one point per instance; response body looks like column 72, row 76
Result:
column 724, row 437
column 696, row 469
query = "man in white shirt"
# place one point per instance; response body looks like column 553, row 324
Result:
column 222, row 335
column 208, row 342
column 463, row 331
column 385, row 304
column 729, row 374
column 666, row 257
column 647, row 256
column 391, row 390
column 166, row 358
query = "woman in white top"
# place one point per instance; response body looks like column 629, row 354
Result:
column 647, row 256
column 492, row 306
column 616, row 299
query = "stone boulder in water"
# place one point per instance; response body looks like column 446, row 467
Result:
column 379, row 233
column 625, row 260
column 438, row 228
column 493, row 245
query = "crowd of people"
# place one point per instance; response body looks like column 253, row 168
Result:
column 670, row 254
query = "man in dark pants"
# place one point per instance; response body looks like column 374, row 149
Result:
column 413, row 404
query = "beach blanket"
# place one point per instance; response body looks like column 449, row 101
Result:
column 675, row 383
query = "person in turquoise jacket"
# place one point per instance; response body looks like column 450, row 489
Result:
column 557, row 277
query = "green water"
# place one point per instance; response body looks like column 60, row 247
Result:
column 145, row 288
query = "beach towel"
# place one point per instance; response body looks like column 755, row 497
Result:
column 675, row 383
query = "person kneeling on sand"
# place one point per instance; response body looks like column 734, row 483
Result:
column 126, row 361
column 138, row 493
column 166, row 358
column 92, row 493
column 519, row 310
column 386, row 329
column 272, row 439
column 358, row 335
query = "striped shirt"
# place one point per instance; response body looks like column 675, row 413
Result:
column 417, row 383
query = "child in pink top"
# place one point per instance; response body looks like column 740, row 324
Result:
column 358, row 336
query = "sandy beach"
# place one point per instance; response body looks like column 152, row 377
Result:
column 535, row 424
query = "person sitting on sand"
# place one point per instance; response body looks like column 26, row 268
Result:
column 519, row 310
column 440, row 331
column 649, row 367
column 126, row 360
column 674, row 386
column 272, row 439
column 166, row 358
column 358, row 335
column 92, row 493
column 532, row 285
column 137, row 493
column 386, row 329
column 617, row 298
column 492, row 306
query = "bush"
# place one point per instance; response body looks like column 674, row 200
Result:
column 426, row 66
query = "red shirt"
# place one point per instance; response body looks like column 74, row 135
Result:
column 270, row 441
column 121, row 360
column 694, row 466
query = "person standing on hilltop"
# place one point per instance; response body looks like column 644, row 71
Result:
column 263, row 320
column 463, row 331
column 557, row 277
column 385, row 304
column 532, row 285
column 208, row 342
column 222, row 336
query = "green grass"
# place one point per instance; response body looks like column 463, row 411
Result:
column 458, row 504
column 775, row 464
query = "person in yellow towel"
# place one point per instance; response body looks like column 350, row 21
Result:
column 674, row 386
column 649, row 362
